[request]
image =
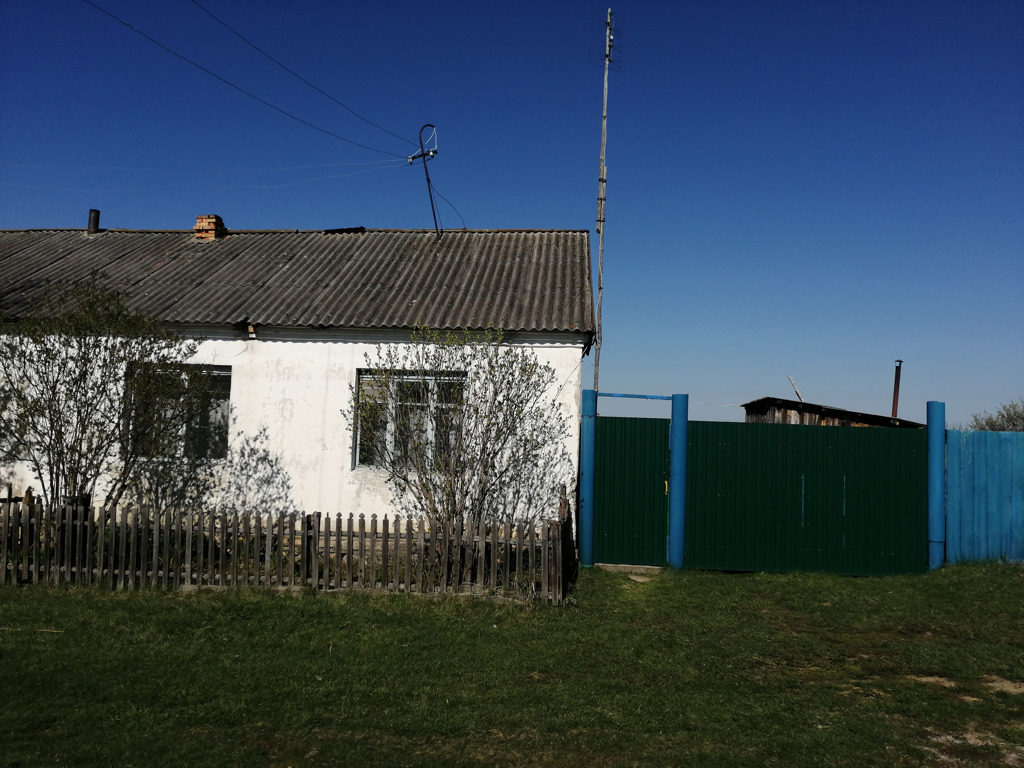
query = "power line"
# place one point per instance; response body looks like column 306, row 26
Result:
column 295, row 74
column 206, row 187
column 239, row 88
column 398, row 163
column 450, row 204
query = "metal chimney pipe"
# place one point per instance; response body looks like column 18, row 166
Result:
column 94, row 222
column 896, row 389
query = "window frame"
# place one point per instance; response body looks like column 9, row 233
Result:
column 206, row 437
column 429, row 404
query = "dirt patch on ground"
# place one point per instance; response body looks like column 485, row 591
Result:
column 972, row 745
column 932, row 680
column 994, row 683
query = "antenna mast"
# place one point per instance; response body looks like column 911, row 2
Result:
column 602, row 178
column 426, row 154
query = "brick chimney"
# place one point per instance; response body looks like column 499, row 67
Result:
column 209, row 227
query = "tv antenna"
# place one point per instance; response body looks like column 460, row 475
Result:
column 602, row 178
column 426, row 154
column 796, row 390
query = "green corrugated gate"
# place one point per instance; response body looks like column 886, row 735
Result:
column 630, row 490
column 770, row 497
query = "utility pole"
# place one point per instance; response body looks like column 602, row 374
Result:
column 602, row 178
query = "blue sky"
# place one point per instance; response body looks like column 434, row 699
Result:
column 809, row 189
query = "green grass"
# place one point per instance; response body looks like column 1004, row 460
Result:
column 688, row 669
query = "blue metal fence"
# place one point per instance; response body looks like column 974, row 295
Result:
column 984, row 495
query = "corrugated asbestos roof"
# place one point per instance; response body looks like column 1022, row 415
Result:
column 515, row 280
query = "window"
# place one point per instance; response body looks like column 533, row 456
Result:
column 407, row 417
column 194, row 400
column 206, row 436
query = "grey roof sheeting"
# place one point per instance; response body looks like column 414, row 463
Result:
column 518, row 280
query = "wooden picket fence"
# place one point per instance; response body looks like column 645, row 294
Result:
column 133, row 549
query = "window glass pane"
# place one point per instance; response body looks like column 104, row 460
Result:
column 372, row 434
column 371, row 390
column 372, row 423
column 450, row 392
column 207, row 435
column 412, row 392
column 411, row 433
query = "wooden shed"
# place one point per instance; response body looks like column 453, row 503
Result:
column 776, row 410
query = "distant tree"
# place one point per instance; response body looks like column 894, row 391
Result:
column 94, row 395
column 1008, row 418
column 465, row 427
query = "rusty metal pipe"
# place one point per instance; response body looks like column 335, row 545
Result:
column 94, row 222
column 896, row 389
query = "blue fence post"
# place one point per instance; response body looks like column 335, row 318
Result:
column 677, row 479
column 936, row 483
column 588, row 446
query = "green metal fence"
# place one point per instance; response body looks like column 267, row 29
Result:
column 631, row 490
column 768, row 497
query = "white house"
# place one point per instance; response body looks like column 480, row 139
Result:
column 286, row 317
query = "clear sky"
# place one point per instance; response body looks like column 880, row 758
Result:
column 809, row 189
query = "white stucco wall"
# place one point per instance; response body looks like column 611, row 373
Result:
column 296, row 383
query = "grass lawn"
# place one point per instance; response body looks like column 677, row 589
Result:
column 687, row 669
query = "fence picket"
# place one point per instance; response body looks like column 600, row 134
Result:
column 533, row 557
column 110, row 528
column 48, row 526
column 76, row 544
column 397, row 549
column 36, row 548
column 545, row 560
column 133, row 546
column 210, row 542
column 5, row 536
column 289, row 543
column 323, row 566
column 234, row 547
column 174, row 561
column 168, row 549
column 189, row 523
column 385, row 546
column 349, row 566
column 144, row 547
column 494, row 556
column 442, row 550
column 362, row 551
column 256, row 565
column 421, row 579
column 200, row 521
column 85, row 562
column 338, row 556
column 220, row 545
column 23, row 515
column 267, row 552
column 408, row 554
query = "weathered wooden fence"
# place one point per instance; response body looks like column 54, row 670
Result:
column 131, row 549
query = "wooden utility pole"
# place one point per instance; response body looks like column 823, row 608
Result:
column 602, row 178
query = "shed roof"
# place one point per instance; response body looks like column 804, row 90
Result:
column 517, row 280
column 759, row 409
